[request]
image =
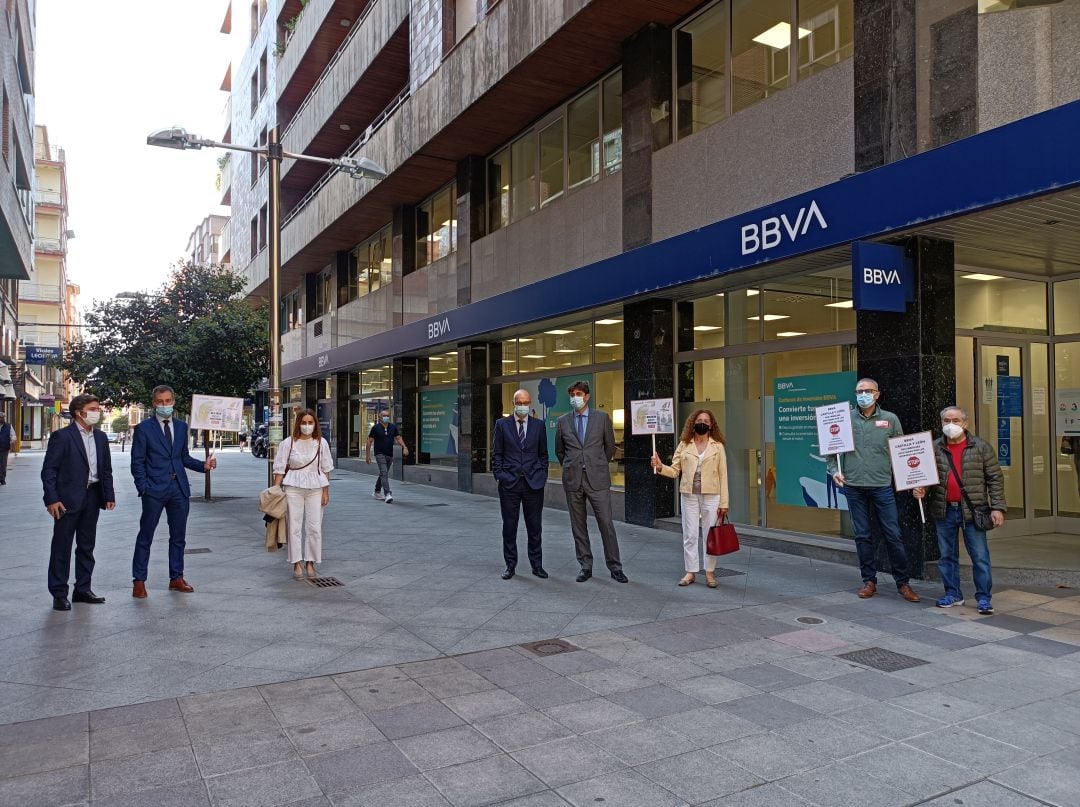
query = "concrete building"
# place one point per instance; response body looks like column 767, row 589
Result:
column 673, row 200
column 16, row 182
column 206, row 244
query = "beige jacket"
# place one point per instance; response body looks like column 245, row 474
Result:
column 713, row 469
column 272, row 502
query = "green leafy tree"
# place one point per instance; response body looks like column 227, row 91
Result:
column 120, row 424
column 196, row 333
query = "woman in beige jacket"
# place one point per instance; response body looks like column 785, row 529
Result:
column 701, row 461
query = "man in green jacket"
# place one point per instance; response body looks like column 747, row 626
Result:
column 866, row 478
column 981, row 478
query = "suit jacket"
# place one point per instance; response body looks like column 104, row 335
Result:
column 66, row 470
column 155, row 463
column 593, row 456
column 511, row 461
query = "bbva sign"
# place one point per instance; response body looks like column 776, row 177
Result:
column 881, row 277
column 771, row 231
column 438, row 329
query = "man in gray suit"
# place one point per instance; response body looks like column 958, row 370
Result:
column 585, row 444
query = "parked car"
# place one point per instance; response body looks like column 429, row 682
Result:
column 112, row 437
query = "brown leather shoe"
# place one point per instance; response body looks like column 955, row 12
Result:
column 868, row 590
column 908, row 594
column 180, row 584
column 138, row 589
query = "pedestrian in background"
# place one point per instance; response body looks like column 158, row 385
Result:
column 7, row 434
column 159, row 455
column 585, row 444
column 78, row 484
column 701, row 462
column 302, row 467
column 383, row 436
column 973, row 479
column 519, row 461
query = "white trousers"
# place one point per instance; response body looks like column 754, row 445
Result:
column 305, row 518
column 698, row 515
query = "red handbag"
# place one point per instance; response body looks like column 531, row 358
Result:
column 722, row 539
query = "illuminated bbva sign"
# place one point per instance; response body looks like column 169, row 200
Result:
column 772, row 231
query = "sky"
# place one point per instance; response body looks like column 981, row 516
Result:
column 106, row 76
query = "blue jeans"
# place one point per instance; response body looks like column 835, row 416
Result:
column 977, row 549
column 862, row 503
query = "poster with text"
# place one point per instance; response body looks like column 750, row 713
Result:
column 551, row 400
column 802, row 479
column 217, row 413
column 913, row 462
column 440, row 422
column 1067, row 411
column 653, row 416
column 834, row 428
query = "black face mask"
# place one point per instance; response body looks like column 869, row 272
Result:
column 702, row 428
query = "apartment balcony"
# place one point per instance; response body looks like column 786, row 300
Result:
column 226, row 242
column 49, row 153
column 49, row 198
column 49, row 246
column 41, row 293
column 224, row 179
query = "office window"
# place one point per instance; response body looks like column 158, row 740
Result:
column 263, row 74
column 254, row 92
column 369, row 267
column 583, row 138
column 254, row 235
column 760, row 50
column 701, row 69
column 523, row 176
column 826, row 35
column 498, row 190
column 612, row 123
column 263, row 226
column 290, row 312
column 551, row 162
column 436, row 226
column 322, row 293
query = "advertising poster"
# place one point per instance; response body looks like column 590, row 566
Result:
column 1067, row 411
column 655, row 416
column 440, row 422
column 550, row 400
column 913, row 463
column 217, row 413
column 802, row 479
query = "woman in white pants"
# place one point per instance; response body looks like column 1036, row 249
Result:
column 302, row 467
column 701, row 461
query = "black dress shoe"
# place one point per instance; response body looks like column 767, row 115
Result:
column 619, row 577
column 87, row 597
column 583, row 575
column 539, row 572
column 508, row 573
column 61, row 604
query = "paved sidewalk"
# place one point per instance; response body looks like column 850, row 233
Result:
column 734, row 696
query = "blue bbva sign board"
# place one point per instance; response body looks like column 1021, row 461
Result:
column 43, row 355
column 882, row 277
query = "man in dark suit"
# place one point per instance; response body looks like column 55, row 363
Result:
column 585, row 444
column 159, row 455
column 519, row 460
column 78, row 481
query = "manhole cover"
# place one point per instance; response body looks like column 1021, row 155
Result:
column 722, row 572
column 324, row 582
column 197, row 550
column 810, row 620
column 881, row 659
column 440, row 504
column 550, row 647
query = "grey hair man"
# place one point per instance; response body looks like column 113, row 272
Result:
column 383, row 436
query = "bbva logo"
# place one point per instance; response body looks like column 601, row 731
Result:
column 771, row 231
column 438, row 328
column 880, row 277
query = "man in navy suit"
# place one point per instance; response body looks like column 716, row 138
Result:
column 159, row 455
column 78, row 481
column 519, row 460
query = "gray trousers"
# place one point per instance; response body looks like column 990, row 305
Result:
column 3, row 466
column 600, row 501
column 385, row 463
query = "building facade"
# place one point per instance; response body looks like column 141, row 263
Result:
column 672, row 200
column 16, row 183
column 207, row 243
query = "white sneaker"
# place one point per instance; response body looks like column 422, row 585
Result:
column 389, row 499
column 378, row 495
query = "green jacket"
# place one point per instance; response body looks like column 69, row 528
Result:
column 980, row 473
column 869, row 465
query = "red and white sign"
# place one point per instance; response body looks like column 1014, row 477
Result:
column 913, row 462
column 834, row 428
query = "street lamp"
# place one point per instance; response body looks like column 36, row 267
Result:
column 273, row 153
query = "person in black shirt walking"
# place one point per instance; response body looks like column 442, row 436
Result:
column 383, row 436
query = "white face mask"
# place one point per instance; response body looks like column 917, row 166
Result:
column 521, row 410
column 952, row 430
column 92, row 416
column 307, row 429
column 577, row 401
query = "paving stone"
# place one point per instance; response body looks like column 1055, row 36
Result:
column 655, row 701
column 280, row 783
column 484, row 781
column 571, row 759
column 1054, row 779
column 976, row 753
column 300, row 689
column 545, row 798
column 517, row 731
column 136, row 713
column 412, row 791
column 768, row 710
column 982, row 794
column 943, row 639
column 840, row 784
column 484, row 705
column 189, row 794
column 226, row 700
column 770, row 756
column 911, row 770
column 117, row 777
column 432, row 667
column 638, row 743
column 522, row 671
column 576, row 661
column 44, row 755
column 875, row 685
column 889, row 720
column 811, row 640
column 489, row 659
column 1013, row 728
column 698, row 775
column 821, row 697
column 129, row 739
column 45, row 729
column 624, row 788
column 668, row 670
column 355, row 768
column 709, row 726
column 943, row 706
column 767, row 677
column 314, row 708
column 360, row 679
column 611, row 680
column 552, row 692
column 591, row 714
column 236, row 720
column 438, row 749
column 820, row 668
column 1038, row 644
column 461, row 682
column 234, row 752
column 65, row 786
column 1014, row 623
column 417, row 718
column 767, row 795
column 713, row 688
column 388, row 694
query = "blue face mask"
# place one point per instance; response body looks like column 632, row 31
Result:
column 865, row 399
column 386, row 420
column 521, row 411
column 163, row 411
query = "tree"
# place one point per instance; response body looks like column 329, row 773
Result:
column 197, row 334
column 120, row 424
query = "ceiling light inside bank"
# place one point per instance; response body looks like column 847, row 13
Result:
column 841, row 304
column 779, row 36
column 980, row 276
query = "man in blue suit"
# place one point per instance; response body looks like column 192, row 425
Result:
column 519, row 460
column 159, row 455
column 78, row 481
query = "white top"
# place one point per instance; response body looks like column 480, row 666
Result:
column 292, row 457
column 87, row 436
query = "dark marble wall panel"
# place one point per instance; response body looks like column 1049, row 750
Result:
column 472, row 447
column 954, row 74
column 405, row 405
column 885, row 112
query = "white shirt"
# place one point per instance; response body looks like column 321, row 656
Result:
column 162, row 421
column 295, row 461
column 91, row 451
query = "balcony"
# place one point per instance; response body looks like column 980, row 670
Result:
column 50, row 198
column 50, row 246
column 225, row 243
column 41, row 293
column 224, row 179
column 48, row 153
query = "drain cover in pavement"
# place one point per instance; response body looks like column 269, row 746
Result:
column 550, row 647
column 881, row 659
column 722, row 572
column 198, row 550
column 325, row 582
column 809, row 620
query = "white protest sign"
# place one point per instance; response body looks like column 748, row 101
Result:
column 654, row 416
column 217, row 413
column 834, row 429
column 913, row 461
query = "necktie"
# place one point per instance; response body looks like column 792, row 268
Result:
column 521, row 433
column 168, row 434
column 581, row 429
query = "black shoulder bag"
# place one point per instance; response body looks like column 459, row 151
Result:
column 980, row 516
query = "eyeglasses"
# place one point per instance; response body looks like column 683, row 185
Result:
column 860, row 391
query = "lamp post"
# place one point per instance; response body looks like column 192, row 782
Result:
column 273, row 153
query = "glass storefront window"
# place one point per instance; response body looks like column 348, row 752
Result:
column 727, row 318
column 442, row 369
column 1066, row 442
column 829, row 37
column 609, row 338
column 509, row 361
column 555, row 349
column 988, row 302
column 612, row 123
column 551, row 162
column 817, row 303
column 1067, row 307
column 583, row 138
column 436, row 226
column 498, row 190
column 760, row 50
column 523, row 176
column 701, row 64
